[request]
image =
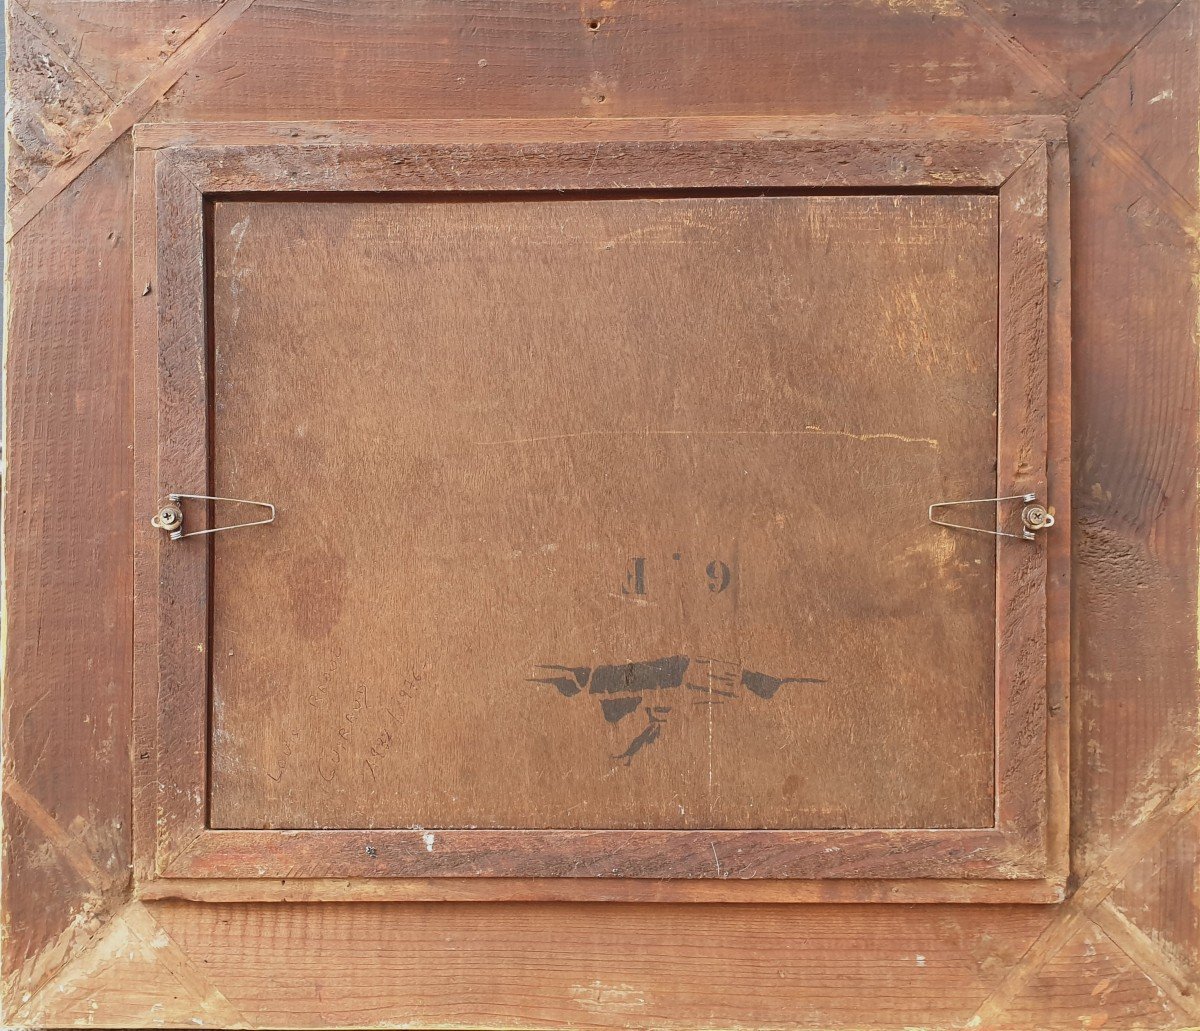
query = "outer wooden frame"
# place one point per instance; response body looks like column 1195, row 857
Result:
column 1026, row 845
column 83, row 945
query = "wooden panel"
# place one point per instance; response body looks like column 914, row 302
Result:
column 604, row 513
column 1021, row 642
column 180, row 755
column 67, row 576
column 892, row 136
column 54, row 103
column 1149, row 101
column 1090, row 982
column 1134, row 495
column 603, row 966
column 1136, row 602
column 1013, row 844
column 439, row 58
column 119, row 43
column 1079, row 42
column 1161, row 897
column 1136, row 273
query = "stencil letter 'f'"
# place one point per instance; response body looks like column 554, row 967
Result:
column 635, row 578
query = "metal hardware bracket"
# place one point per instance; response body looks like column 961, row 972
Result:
column 1034, row 516
column 169, row 518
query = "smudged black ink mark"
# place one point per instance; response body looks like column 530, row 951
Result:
column 655, row 717
column 765, row 686
column 711, row 690
column 630, row 678
column 566, row 686
column 622, row 688
column 616, row 709
column 636, row 677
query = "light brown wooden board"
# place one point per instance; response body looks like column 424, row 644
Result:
column 698, row 436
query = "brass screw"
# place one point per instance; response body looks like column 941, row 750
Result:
column 1037, row 517
column 170, row 517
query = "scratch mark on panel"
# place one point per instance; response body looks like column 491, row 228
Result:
column 807, row 431
column 598, row 997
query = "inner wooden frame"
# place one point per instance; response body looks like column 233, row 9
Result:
column 1021, row 857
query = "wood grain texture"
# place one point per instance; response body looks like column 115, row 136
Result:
column 1149, row 100
column 883, row 129
column 441, row 57
column 948, row 129
column 887, row 853
column 1135, row 271
column 825, row 162
column 1135, row 610
column 181, row 460
column 144, row 721
column 1024, row 363
column 1159, row 897
column 55, row 103
column 1079, row 43
column 1176, row 981
column 517, row 889
column 1090, row 893
column 641, row 966
column 50, row 908
column 551, row 388
column 714, row 854
column 131, row 970
column 67, row 575
column 117, row 43
column 1059, row 488
column 1090, row 982
column 119, row 119
column 629, row 889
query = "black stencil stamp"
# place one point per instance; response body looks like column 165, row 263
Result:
column 622, row 689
